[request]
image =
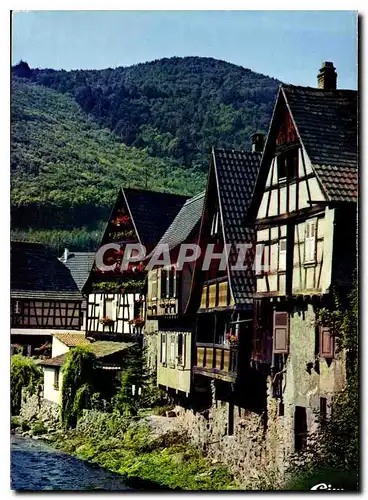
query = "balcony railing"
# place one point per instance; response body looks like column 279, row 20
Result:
column 217, row 358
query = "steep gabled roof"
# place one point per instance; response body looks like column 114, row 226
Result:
column 79, row 265
column 152, row 212
column 326, row 124
column 185, row 222
column 37, row 273
column 236, row 173
column 326, row 121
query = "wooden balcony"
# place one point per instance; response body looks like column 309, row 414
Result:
column 162, row 307
column 216, row 361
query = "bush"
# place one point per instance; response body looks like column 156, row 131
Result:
column 38, row 428
column 24, row 374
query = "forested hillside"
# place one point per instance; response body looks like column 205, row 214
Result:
column 78, row 135
column 65, row 169
column 177, row 107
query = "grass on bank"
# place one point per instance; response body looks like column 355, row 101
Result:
column 167, row 461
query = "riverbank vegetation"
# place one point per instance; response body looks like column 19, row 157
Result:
column 24, row 374
column 129, row 447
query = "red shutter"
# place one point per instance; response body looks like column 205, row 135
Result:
column 326, row 342
column 280, row 332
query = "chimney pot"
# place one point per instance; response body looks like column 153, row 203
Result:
column 66, row 254
column 327, row 76
column 257, row 142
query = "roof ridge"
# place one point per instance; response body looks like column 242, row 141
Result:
column 315, row 89
column 194, row 198
column 143, row 190
column 236, row 151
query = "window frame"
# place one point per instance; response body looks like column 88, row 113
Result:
column 57, row 379
column 313, row 238
column 163, row 350
column 181, row 357
column 276, row 327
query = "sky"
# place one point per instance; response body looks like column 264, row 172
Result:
column 288, row 45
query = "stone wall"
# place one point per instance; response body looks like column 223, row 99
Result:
column 150, row 343
column 254, row 451
column 34, row 407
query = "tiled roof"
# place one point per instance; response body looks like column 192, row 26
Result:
column 101, row 349
column 326, row 121
column 37, row 273
column 236, row 173
column 72, row 339
column 79, row 265
column 185, row 222
column 152, row 212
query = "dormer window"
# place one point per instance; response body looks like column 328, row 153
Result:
column 215, row 223
column 287, row 165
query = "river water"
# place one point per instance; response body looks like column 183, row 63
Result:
column 37, row 466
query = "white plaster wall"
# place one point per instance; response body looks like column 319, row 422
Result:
column 58, row 347
column 49, row 392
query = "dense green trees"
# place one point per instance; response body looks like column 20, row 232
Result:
column 150, row 125
column 24, row 374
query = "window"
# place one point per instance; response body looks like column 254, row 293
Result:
column 215, row 224
column 163, row 283
column 280, row 332
column 56, row 378
column 163, row 348
column 171, row 283
column 154, row 284
column 326, row 342
column 282, row 255
column 310, row 241
column 300, row 428
column 287, row 166
column 181, row 358
column 109, row 308
column 172, row 349
column 17, row 308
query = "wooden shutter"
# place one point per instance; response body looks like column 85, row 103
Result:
column 204, row 297
column 326, row 342
column 172, row 349
column 154, row 284
column 181, row 349
column 280, row 332
column 310, row 241
column 212, row 296
column 222, row 294
column 174, row 283
column 163, row 348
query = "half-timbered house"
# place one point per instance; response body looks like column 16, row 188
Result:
column 44, row 296
column 79, row 265
column 223, row 299
column 305, row 209
column 116, row 299
column 168, row 331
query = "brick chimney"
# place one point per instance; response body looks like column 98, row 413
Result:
column 257, row 142
column 327, row 76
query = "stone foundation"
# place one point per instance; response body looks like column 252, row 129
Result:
column 34, row 407
column 255, row 450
